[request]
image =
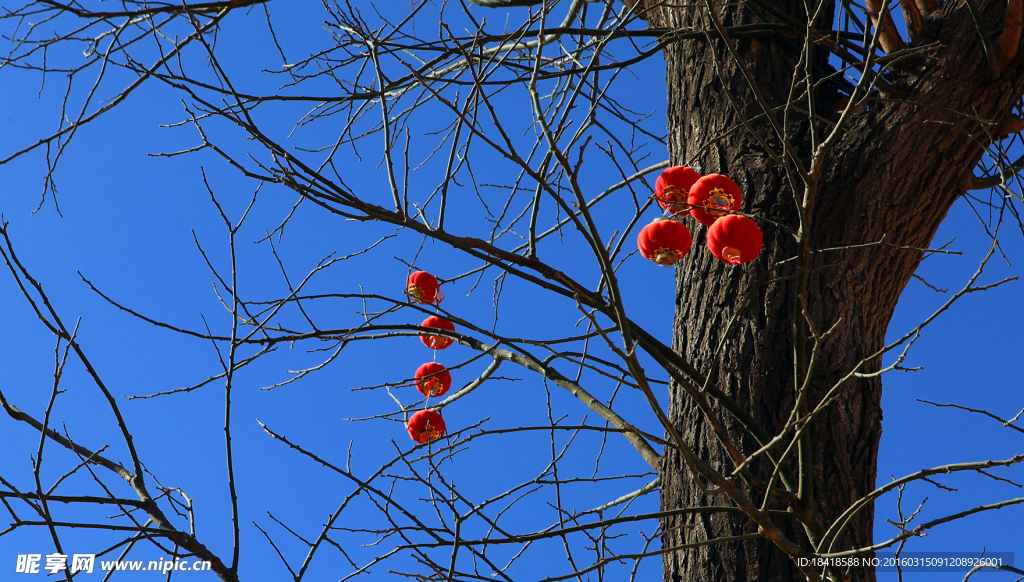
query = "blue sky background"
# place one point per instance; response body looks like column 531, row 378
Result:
column 127, row 222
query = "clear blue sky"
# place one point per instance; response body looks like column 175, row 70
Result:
column 127, row 222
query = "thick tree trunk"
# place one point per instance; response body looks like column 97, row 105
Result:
column 893, row 175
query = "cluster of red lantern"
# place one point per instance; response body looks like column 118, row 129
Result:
column 431, row 379
column 712, row 200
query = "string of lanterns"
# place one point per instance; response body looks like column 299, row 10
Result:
column 712, row 201
column 431, row 379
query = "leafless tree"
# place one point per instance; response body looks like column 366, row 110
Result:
column 758, row 425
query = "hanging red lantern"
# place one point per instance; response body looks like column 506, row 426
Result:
column 714, row 191
column 423, row 288
column 433, row 379
column 435, row 341
column 426, row 426
column 672, row 188
column 664, row 241
column 734, row 239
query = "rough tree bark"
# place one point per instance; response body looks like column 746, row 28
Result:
column 895, row 173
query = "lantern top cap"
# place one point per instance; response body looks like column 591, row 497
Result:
column 438, row 322
column 430, row 368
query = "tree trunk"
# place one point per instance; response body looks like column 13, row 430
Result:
column 894, row 174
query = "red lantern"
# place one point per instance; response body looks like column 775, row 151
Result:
column 664, row 241
column 672, row 188
column 423, row 288
column 433, row 379
column 435, row 341
column 734, row 239
column 713, row 191
column 426, row 426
